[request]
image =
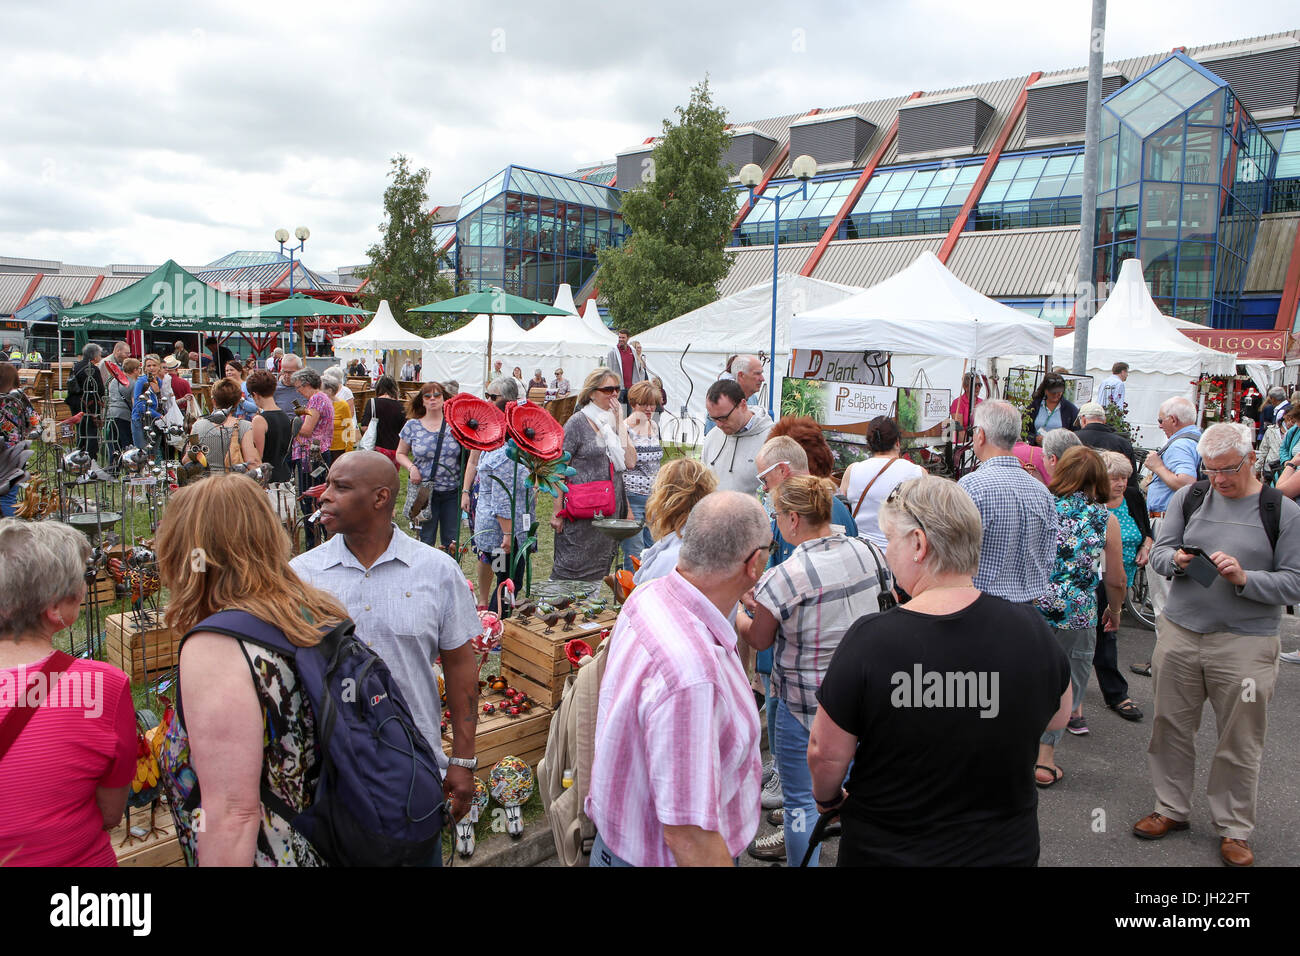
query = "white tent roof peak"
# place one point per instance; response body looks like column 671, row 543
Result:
column 564, row 298
column 381, row 332
column 1130, row 328
column 591, row 318
column 922, row 310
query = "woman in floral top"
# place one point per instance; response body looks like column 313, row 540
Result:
column 317, row 427
column 17, row 418
column 1085, row 529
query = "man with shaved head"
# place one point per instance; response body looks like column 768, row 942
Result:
column 410, row 602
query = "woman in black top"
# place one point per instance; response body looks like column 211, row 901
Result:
column 1049, row 409
column 939, row 704
column 392, row 416
column 269, row 440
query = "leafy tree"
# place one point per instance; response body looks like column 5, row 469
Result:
column 680, row 219
column 405, row 263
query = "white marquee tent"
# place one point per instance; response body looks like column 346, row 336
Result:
column 1163, row 361
column 738, row 324
column 932, row 323
column 576, row 343
column 462, row 354
column 377, row 337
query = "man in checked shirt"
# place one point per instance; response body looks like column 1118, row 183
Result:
column 1019, row 513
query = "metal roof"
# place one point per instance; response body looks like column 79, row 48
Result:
column 864, row 262
column 68, row 288
column 12, row 287
column 1018, row 262
column 13, row 263
column 1266, row 271
column 754, row 264
column 244, row 257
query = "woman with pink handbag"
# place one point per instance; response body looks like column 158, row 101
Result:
column 591, row 437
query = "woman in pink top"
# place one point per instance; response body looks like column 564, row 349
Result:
column 64, row 777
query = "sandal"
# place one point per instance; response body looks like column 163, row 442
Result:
column 1128, row 710
column 1056, row 772
column 1143, row 669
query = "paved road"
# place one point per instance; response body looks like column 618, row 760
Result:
column 1106, row 782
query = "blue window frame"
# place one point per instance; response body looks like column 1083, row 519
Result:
column 1029, row 190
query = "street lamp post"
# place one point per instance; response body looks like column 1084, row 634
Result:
column 302, row 233
column 804, row 168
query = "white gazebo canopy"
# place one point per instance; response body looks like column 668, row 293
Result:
column 461, row 355
column 381, row 334
column 1163, row 362
column 924, row 310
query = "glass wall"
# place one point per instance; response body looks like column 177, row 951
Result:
column 1286, row 180
column 914, row 199
column 1182, row 182
column 802, row 220
column 527, row 232
column 1029, row 190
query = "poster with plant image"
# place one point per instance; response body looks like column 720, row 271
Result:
column 921, row 409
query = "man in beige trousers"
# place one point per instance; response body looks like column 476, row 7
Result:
column 1218, row 638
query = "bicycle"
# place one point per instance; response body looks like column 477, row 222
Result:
column 1137, row 599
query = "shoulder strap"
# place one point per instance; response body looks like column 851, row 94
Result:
column 863, row 497
column 1270, row 508
column 886, row 599
column 13, row 725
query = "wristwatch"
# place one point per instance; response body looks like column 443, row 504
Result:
column 469, row 763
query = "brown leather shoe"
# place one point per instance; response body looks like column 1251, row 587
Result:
column 1236, row 852
column 1155, row 825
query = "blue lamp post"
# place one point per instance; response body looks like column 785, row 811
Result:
column 804, row 168
column 302, row 233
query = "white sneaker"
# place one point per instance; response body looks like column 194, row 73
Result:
column 772, row 795
column 1291, row 657
column 769, row 768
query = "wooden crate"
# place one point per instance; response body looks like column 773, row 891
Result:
column 159, row 849
column 539, row 658
column 139, row 652
column 499, row 735
column 104, row 587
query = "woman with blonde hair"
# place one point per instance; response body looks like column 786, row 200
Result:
column 591, row 437
column 805, row 605
column 678, row 487
column 938, row 704
column 242, row 717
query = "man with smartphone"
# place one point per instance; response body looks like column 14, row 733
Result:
column 1233, row 548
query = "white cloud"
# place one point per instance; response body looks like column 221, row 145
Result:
column 213, row 124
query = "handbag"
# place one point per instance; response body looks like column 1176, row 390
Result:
column 371, row 436
column 863, row 497
column 590, row 498
column 234, row 452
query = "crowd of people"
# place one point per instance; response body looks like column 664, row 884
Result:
column 914, row 649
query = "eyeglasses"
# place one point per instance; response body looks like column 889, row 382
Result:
column 896, row 497
column 719, row 419
column 1212, row 472
column 491, row 397
column 607, row 389
column 762, row 485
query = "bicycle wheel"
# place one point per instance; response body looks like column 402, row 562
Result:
column 1138, row 601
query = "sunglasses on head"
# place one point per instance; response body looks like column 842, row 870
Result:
column 896, row 497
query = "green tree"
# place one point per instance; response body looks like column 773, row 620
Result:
column 404, row 265
column 680, row 219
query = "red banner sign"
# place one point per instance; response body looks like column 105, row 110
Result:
column 1247, row 343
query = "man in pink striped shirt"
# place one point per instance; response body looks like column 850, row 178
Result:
column 675, row 776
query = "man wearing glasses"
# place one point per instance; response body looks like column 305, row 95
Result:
column 1219, row 641
column 731, row 449
column 1174, row 466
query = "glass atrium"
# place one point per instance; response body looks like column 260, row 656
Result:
column 1184, row 176
column 527, row 232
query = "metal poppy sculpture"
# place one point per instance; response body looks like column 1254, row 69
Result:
column 537, row 443
column 475, row 423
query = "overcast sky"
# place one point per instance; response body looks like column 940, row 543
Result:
column 136, row 132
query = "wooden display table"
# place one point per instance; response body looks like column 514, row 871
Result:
column 158, row 849
column 500, row 735
column 536, row 661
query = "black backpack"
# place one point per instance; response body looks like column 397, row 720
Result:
column 77, row 388
column 1270, row 508
column 379, row 799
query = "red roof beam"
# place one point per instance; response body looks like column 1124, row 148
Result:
column 854, row 195
column 986, row 171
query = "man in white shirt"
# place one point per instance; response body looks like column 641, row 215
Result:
column 410, row 602
column 1112, row 390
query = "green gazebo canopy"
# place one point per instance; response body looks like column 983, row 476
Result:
column 169, row 298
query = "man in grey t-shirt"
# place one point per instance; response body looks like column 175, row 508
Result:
column 1219, row 642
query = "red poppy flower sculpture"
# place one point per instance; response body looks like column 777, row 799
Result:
column 475, row 423
column 535, row 431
